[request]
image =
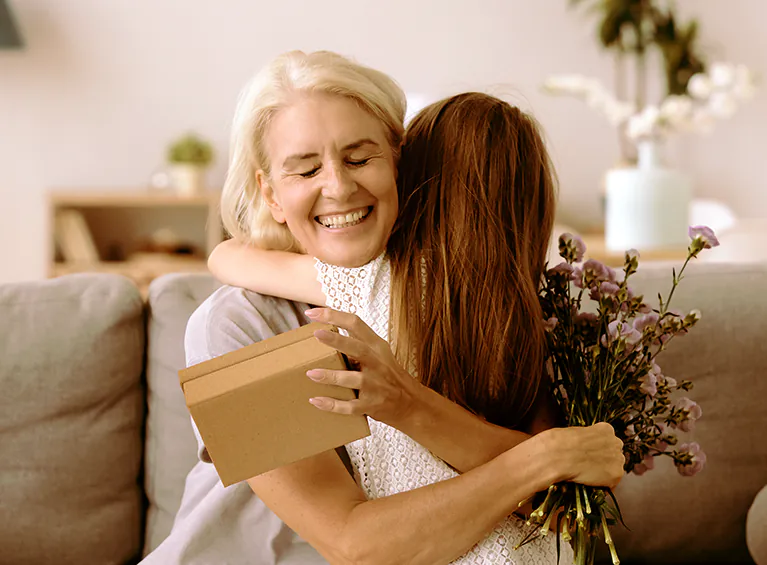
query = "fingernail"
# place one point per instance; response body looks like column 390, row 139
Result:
column 318, row 402
column 312, row 313
column 314, row 374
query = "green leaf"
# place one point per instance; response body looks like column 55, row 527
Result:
column 617, row 508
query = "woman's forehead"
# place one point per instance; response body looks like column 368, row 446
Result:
column 316, row 124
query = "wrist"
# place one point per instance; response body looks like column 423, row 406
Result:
column 415, row 406
column 551, row 456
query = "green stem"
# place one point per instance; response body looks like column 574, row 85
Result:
column 677, row 278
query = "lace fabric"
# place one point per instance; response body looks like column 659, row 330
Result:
column 388, row 461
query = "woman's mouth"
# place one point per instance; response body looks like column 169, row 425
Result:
column 340, row 221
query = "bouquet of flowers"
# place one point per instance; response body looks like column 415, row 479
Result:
column 602, row 366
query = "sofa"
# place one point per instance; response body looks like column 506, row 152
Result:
column 96, row 441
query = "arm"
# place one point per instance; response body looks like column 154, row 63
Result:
column 461, row 439
column 458, row 437
column 433, row 524
column 464, row 440
column 390, row 394
column 318, row 499
column 275, row 273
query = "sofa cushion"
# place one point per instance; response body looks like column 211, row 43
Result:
column 702, row 519
column 71, row 418
column 171, row 448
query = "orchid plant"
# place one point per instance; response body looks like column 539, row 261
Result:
column 603, row 369
column 710, row 96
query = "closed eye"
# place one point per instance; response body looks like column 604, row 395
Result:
column 309, row 174
column 359, row 163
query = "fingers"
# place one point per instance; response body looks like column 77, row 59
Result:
column 347, row 379
column 346, row 407
column 352, row 347
column 350, row 322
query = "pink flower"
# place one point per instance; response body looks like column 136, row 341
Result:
column 644, row 308
column 670, row 382
column 649, row 384
column 577, row 277
column 563, row 268
column 704, row 235
column 691, row 459
column 609, row 288
column 580, row 248
column 588, row 318
column 621, row 331
column 691, row 412
column 595, row 271
column 660, row 443
column 550, row 324
column 663, row 338
column 646, row 321
column 603, row 289
column 647, row 464
column 671, row 323
column 571, row 247
column 692, row 318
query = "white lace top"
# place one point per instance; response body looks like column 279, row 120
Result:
column 388, row 461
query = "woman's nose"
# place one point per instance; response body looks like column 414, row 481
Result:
column 339, row 184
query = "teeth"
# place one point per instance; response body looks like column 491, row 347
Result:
column 345, row 220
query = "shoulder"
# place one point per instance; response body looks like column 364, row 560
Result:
column 233, row 317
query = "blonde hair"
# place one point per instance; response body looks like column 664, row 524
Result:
column 245, row 214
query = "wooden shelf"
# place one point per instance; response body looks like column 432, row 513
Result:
column 129, row 198
column 144, row 233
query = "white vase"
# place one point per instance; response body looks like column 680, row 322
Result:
column 187, row 179
column 647, row 206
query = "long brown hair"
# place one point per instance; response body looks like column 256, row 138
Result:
column 477, row 197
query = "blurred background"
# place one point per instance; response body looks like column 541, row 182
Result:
column 94, row 95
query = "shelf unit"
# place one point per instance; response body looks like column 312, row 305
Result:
column 122, row 225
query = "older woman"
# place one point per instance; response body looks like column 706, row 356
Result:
column 316, row 141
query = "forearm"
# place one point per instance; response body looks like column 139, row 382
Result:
column 455, row 435
column 433, row 524
column 277, row 273
column 438, row 523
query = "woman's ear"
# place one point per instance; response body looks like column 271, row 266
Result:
column 267, row 193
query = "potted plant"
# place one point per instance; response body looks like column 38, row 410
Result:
column 189, row 158
column 646, row 201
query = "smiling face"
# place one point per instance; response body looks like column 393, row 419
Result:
column 332, row 178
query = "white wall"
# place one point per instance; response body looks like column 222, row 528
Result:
column 104, row 85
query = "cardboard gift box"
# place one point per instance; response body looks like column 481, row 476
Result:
column 251, row 406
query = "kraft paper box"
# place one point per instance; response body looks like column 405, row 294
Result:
column 252, row 407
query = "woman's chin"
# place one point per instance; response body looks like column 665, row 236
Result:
column 349, row 255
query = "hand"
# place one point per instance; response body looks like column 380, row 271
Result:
column 387, row 392
column 591, row 455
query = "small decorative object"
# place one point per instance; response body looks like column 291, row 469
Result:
column 160, row 180
column 646, row 201
column 602, row 369
column 189, row 158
